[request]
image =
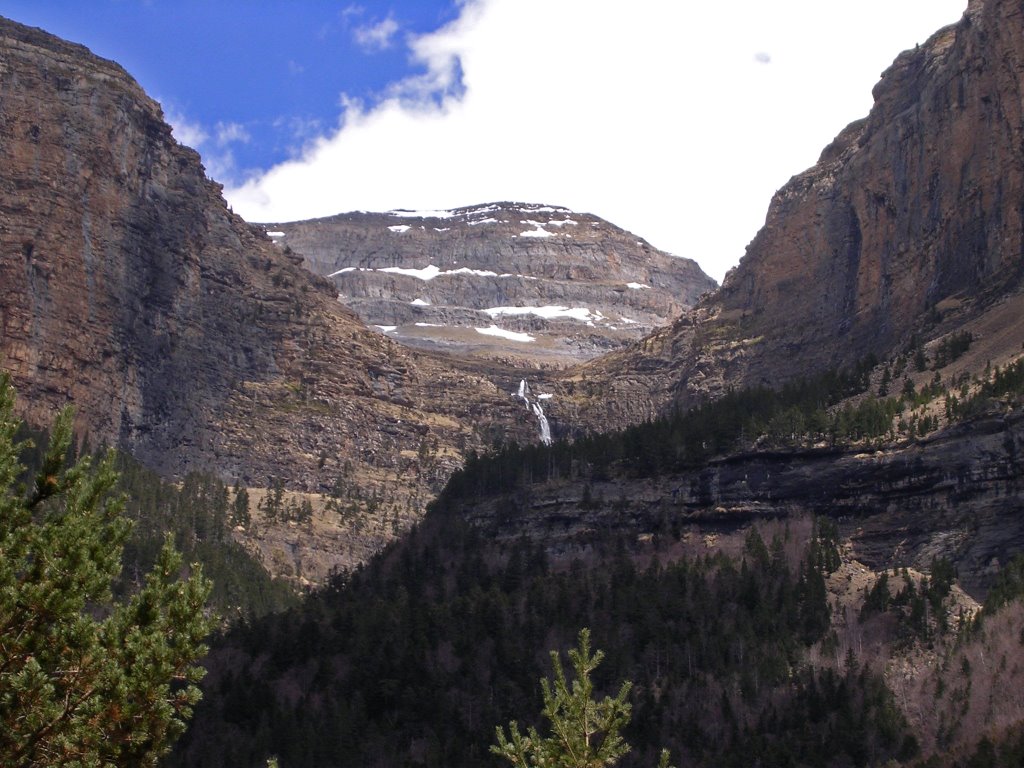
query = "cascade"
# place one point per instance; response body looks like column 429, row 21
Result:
column 534, row 406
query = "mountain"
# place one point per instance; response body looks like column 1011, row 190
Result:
column 185, row 336
column 521, row 281
column 903, row 241
column 909, row 227
column 804, row 547
column 197, row 341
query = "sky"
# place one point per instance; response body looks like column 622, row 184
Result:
column 674, row 119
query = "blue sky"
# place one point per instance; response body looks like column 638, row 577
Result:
column 269, row 73
column 675, row 120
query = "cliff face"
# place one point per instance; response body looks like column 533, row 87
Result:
column 568, row 286
column 911, row 222
column 920, row 204
column 955, row 494
column 185, row 335
column 123, row 283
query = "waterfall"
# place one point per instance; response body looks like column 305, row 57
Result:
column 533, row 405
column 545, row 428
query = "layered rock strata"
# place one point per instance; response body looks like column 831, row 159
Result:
column 911, row 223
column 183, row 334
column 955, row 494
column 508, row 279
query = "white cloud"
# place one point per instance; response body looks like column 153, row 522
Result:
column 228, row 133
column 186, row 132
column 661, row 117
column 376, row 37
column 214, row 147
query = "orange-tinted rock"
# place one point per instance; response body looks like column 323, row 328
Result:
column 183, row 334
column 918, row 207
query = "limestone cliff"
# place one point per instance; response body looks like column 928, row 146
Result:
column 911, row 222
column 918, row 205
column 955, row 494
column 183, row 334
column 527, row 281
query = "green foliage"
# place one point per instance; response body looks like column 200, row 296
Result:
column 997, row 383
column 920, row 610
column 951, row 348
column 85, row 680
column 413, row 659
column 920, row 359
column 584, row 733
column 739, row 420
column 1009, row 585
column 197, row 515
column 240, row 515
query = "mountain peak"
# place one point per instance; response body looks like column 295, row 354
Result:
column 517, row 281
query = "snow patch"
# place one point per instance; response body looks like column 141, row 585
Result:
column 387, row 328
column 428, row 272
column 637, row 286
column 275, row 234
column 581, row 314
column 537, row 231
column 468, row 271
column 479, row 211
column 483, row 221
column 402, row 213
column 399, row 228
column 494, row 330
column 542, row 209
column 420, row 303
column 429, row 325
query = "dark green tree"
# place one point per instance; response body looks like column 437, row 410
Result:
column 240, row 507
column 584, row 733
column 84, row 680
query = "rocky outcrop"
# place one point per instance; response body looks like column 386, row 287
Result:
column 955, row 494
column 919, row 204
column 183, row 334
column 509, row 279
column 911, row 221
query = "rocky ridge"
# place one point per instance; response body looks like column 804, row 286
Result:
column 517, row 280
column 954, row 494
column 183, row 335
column 910, row 225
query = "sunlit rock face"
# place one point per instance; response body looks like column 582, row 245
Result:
column 910, row 224
column 507, row 279
column 920, row 203
column 184, row 335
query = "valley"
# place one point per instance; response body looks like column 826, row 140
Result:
column 788, row 507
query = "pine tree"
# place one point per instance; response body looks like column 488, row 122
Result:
column 584, row 733
column 85, row 681
column 240, row 507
